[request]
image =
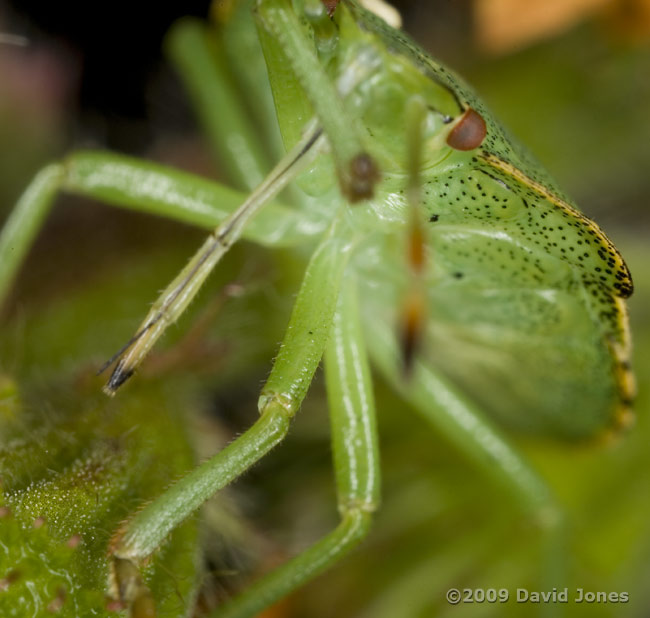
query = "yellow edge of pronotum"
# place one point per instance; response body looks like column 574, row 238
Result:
column 623, row 374
column 508, row 168
column 621, row 352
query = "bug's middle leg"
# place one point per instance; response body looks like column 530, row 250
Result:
column 280, row 399
column 356, row 463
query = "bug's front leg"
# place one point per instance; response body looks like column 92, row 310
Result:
column 280, row 399
column 176, row 297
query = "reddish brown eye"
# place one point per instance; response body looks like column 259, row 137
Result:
column 469, row 133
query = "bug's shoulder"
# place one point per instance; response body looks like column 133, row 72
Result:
column 498, row 142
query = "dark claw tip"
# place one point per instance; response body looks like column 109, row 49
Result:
column 118, row 377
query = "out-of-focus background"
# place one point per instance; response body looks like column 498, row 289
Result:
column 570, row 78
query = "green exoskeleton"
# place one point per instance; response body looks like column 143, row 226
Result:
column 433, row 246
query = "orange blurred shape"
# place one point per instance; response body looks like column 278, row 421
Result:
column 505, row 25
column 630, row 19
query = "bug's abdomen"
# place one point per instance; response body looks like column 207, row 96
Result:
column 531, row 293
column 488, row 194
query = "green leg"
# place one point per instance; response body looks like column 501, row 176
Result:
column 245, row 60
column 146, row 187
column 356, row 463
column 24, row 222
column 181, row 291
column 193, row 49
column 464, row 424
column 280, row 399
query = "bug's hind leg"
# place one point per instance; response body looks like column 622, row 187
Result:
column 354, row 441
column 468, row 428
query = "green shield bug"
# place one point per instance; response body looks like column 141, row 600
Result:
column 433, row 246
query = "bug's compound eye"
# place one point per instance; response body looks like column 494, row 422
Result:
column 469, row 132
